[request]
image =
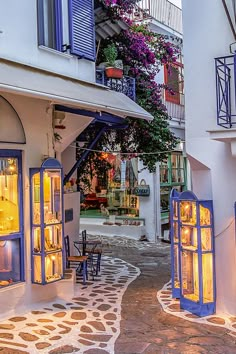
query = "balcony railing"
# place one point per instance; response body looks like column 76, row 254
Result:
column 176, row 112
column 125, row 85
column 225, row 91
column 161, row 10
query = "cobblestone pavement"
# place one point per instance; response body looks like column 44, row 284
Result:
column 119, row 313
column 146, row 328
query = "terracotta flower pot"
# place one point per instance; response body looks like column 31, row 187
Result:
column 114, row 73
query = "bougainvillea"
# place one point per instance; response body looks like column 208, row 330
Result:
column 142, row 52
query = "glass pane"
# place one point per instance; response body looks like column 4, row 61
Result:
column 175, row 209
column 206, row 239
column 205, row 216
column 188, row 212
column 53, row 267
column 49, row 24
column 175, row 232
column 9, row 200
column 190, row 279
column 207, row 277
column 177, row 175
column 36, row 239
column 52, row 196
column 53, row 238
column 37, row 269
column 9, row 262
column 189, row 237
column 164, row 174
column 165, row 192
column 176, row 265
column 36, row 198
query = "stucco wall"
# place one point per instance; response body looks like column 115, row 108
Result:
column 207, row 35
column 149, row 207
column 19, row 42
column 37, row 123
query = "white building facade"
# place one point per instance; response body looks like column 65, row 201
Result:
column 210, row 146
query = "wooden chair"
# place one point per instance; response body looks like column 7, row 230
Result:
column 80, row 261
column 90, row 249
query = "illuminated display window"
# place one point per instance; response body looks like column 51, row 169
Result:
column 11, row 218
column 192, row 253
column 47, row 222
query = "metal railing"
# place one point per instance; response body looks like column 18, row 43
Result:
column 125, row 85
column 225, row 90
column 161, row 10
column 176, row 112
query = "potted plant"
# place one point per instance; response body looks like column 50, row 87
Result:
column 113, row 67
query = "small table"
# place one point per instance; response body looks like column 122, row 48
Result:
column 91, row 243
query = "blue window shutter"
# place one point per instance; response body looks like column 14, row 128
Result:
column 82, row 28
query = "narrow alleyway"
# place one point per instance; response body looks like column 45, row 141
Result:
column 96, row 321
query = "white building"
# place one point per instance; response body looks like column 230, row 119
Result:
column 47, row 82
column 210, row 142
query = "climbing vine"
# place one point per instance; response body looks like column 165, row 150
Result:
column 142, row 52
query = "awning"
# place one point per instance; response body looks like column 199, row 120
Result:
column 33, row 82
column 104, row 27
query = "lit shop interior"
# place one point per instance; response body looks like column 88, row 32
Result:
column 11, row 269
column 113, row 192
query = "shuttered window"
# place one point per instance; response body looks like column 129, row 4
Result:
column 82, row 28
column 173, row 76
column 67, row 25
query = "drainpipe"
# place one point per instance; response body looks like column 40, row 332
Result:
column 156, row 202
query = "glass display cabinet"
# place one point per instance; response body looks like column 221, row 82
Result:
column 174, row 236
column 47, row 222
column 197, row 270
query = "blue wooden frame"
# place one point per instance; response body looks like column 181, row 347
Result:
column 49, row 163
column 174, row 196
column 7, row 153
column 82, row 29
column 197, row 307
column 58, row 24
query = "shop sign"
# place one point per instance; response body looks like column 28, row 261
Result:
column 143, row 189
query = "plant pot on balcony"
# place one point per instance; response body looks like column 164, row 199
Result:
column 114, row 73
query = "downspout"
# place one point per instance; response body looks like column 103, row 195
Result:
column 156, row 201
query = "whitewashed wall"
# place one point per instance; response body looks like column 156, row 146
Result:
column 207, row 35
column 149, row 207
column 19, row 42
column 37, row 123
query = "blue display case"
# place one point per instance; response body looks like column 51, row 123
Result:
column 47, row 221
column 175, row 239
column 197, row 254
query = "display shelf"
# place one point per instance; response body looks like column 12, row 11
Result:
column 193, row 253
column 47, row 222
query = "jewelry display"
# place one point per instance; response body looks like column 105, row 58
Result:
column 192, row 253
column 47, row 226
